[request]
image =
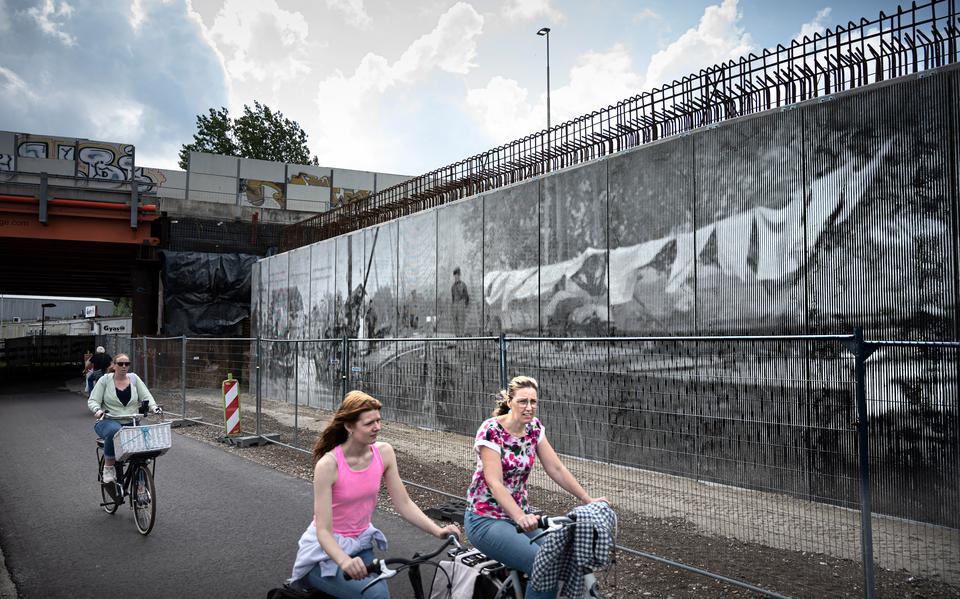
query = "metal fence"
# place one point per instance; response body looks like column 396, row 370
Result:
column 911, row 40
column 785, row 447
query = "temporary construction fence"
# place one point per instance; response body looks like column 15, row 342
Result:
column 831, row 445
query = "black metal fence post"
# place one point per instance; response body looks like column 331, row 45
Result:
column 862, row 351
column 344, row 368
column 503, row 361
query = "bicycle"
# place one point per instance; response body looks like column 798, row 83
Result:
column 496, row 580
column 297, row 589
column 136, row 464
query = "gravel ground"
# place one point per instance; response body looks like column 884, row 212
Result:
column 796, row 573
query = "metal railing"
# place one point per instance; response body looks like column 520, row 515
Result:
column 828, row 446
column 911, row 40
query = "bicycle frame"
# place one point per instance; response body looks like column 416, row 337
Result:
column 510, row 588
column 125, row 471
column 513, row 583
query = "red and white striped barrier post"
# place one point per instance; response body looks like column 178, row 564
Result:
column 231, row 405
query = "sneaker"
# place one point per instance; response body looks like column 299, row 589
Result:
column 109, row 474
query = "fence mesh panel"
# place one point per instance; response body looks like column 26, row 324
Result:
column 912, row 402
column 747, row 443
column 435, row 392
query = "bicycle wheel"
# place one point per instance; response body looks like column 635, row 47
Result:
column 143, row 498
column 109, row 505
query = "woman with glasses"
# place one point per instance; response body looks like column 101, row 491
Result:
column 507, row 445
column 117, row 394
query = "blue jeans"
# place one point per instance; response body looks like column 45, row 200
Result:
column 500, row 540
column 340, row 587
column 106, row 429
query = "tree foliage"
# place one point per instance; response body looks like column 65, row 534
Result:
column 260, row 133
column 122, row 306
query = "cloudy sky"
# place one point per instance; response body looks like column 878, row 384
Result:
column 397, row 86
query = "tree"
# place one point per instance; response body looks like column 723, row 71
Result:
column 122, row 306
column 260, row 133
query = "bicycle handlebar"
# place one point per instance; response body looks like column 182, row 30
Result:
column 135, row 417
column 382, row 568
column 551, row 523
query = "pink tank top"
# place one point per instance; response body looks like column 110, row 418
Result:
column 355, row 494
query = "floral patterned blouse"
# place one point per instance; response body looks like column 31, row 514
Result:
column 516, row 459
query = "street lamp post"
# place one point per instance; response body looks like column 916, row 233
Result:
column 43, row 332
column 545, row 32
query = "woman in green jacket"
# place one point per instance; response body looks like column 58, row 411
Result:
column 117, row 394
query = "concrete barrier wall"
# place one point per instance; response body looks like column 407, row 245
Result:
column 812, row 220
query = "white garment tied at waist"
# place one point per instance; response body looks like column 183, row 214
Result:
column 310, row 553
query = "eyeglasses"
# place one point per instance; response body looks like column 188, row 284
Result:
column 124, row 364
column 526, row 403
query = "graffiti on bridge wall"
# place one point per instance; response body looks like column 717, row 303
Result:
column 257, row 191
column 308, row 179
column 343, row 195
column 95, row 160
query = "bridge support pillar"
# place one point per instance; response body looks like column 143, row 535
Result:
column 146, row 298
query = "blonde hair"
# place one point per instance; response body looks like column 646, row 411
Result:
column 354, row 404
column 505, row 395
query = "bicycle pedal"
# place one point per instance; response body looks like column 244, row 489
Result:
column 114, row 490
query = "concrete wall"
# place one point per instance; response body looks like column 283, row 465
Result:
column 103, row 164
column 8, row 150
column 210, row 179
column 813, row 220
column 262, row 184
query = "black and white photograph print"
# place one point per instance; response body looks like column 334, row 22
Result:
column 573, row 252
column 417, row 275
column 511, row 264
column 651, row 220
column 460, row 268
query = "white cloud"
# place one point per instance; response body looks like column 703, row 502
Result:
column 817, row 25
column 596, row 80
column 13, row 86
column 647, row 14
column 347, row 130
column 115, row 118
column 49, row 16
column 503, row 111
column 525, row 10
column 144, row 88
column 260, row 44
column 137, row 14
column 717, row 38
column 353, row 11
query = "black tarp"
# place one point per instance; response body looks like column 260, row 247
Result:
column 205, row 294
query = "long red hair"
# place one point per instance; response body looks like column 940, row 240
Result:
column 354, row 404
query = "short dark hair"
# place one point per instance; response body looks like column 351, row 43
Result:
column 456, row 270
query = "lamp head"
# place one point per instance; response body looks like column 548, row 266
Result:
column 48, row 305
column 544, row 31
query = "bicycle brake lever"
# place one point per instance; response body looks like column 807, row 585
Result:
column 534, row 539
column 385, row 573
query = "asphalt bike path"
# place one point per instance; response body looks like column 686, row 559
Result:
column 226, row 527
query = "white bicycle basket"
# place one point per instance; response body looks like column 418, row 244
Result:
column 131, row 440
